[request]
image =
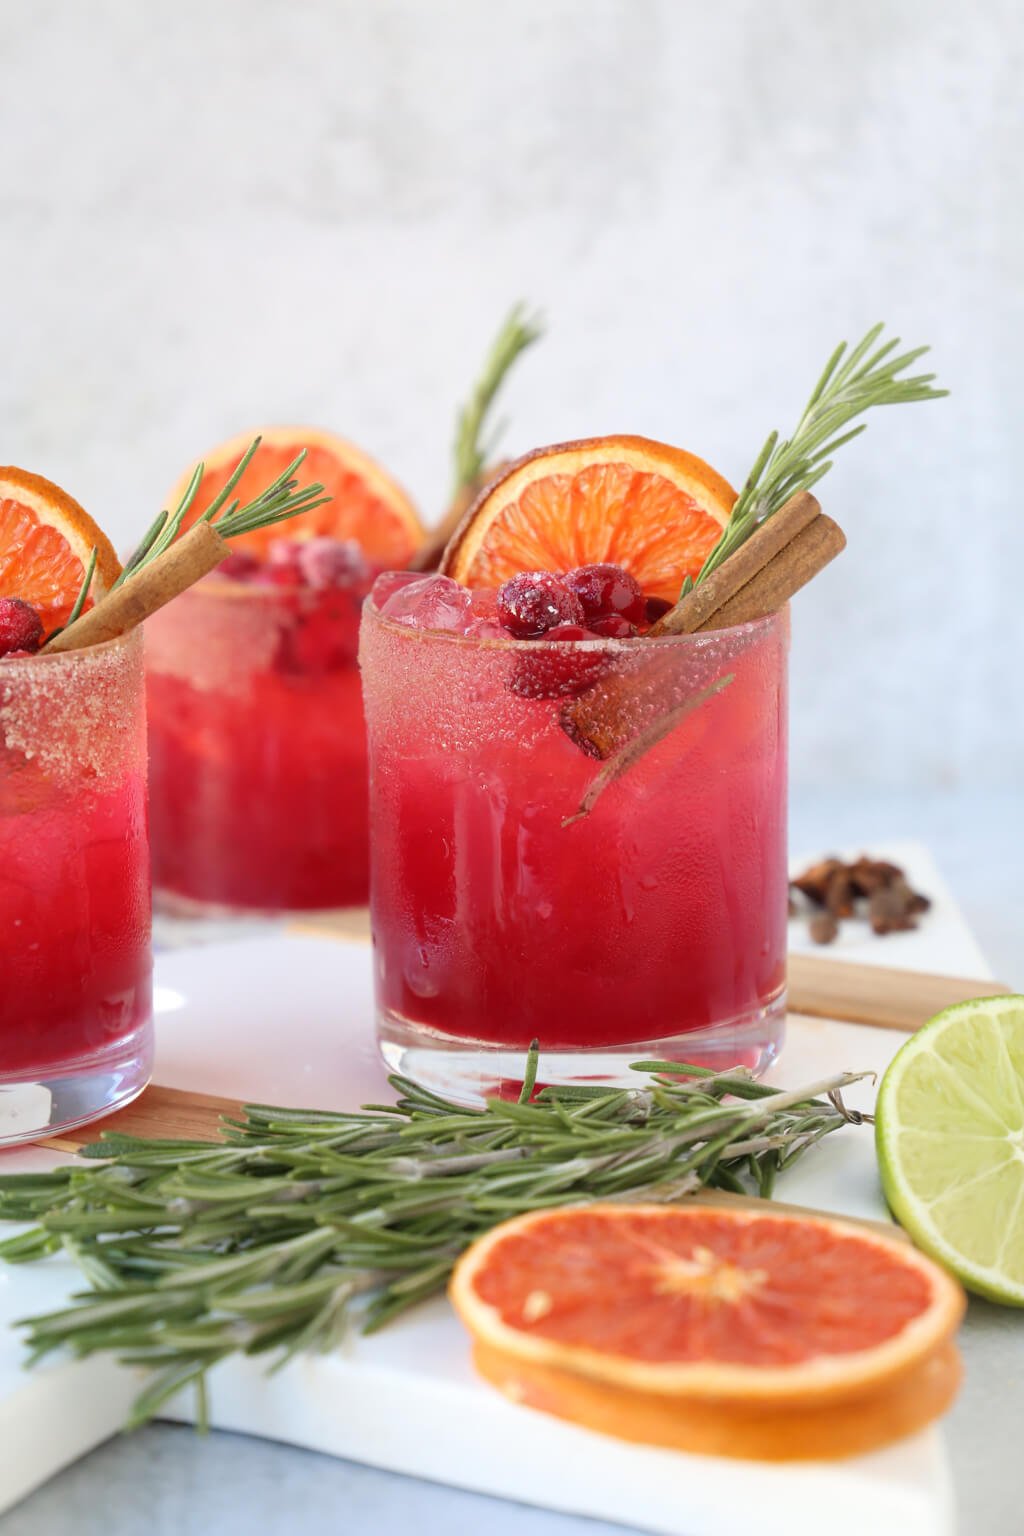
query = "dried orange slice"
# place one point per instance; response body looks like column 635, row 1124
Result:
column 46, row 540
column 755, row 1432
column 633, row 1318
column 366, row 505
column 655, row 510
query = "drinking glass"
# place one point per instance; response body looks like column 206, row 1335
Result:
column 257, row 749
column 651, row 925
column 76, row 1034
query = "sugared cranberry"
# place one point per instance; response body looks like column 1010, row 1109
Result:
column 657, row 607
column 239, row 566
column 558, row 671
column 326, row 562
column 606, row 589
column 534, row 602
column 21, row 628
column 613, row 626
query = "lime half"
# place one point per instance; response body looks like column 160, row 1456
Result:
column 950, row 1137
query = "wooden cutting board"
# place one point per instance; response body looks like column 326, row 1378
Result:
column 820, row 989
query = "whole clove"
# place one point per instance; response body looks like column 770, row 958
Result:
column 874, row 889
column 823, row 928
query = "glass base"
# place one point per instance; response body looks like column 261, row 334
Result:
column 470, row 1071
column 55, row 1099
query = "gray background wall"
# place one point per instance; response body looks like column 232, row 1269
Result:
column 212, row 215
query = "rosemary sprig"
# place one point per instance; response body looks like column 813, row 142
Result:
column 270, row 1240
column 472, row 452
column 280, row 500
column 80, row 600
column 851, row 384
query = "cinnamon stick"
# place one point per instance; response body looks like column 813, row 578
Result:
column 693, row 611
column 188, row 559
column 792, row 568
column 758, row 579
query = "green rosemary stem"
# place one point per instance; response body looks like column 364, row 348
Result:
column 274, row 1239
column 472, row 452
column 80, row 600
column 282, row 499
column 851, row 384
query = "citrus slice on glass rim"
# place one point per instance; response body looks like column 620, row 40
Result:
column 366, row 504
column 949, row 1128
column 725, row 1331
column 655, row 510
column 46, row 542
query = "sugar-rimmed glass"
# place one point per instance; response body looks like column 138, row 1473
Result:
column 654, row 926
column 257, row 749
column 76, row 1034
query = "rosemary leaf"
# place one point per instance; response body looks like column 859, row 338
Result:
column 278, row 501
column 852, row 382
column 473, row 451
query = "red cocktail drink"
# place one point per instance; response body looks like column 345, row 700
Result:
column 75, row 966
column 257, row 746
column 654, row 924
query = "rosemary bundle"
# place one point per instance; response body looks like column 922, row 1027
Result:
column 851, row 384
column 273, row 1238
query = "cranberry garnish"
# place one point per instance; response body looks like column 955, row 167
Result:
column 21, row 628
column 613, row 626
column 558, row 671
column 282, row 568
column 239, row 565
column 534, row 602
column 326, row 562
column 605, row 589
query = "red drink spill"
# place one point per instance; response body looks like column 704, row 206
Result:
column 258, row 748
column 75, row 965
column 654, row 926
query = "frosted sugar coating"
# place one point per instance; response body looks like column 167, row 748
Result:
column 217, row 635
column 500, row 912
column 426, row 691
column 77, row 716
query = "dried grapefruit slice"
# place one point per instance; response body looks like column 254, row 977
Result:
column 655, row 510
column 646, row 1316
column 46, row 540
column 706, row 1427
column 366, row 505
